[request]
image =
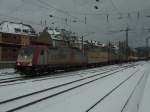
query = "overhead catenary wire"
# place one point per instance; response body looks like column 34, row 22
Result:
column 57, row 9
column 71, row 16
column 45, row 5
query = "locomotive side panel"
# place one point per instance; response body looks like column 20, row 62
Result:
column 58, row 56
column 42, row 59
column 65, row 56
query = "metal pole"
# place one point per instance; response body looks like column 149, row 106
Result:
column 119, row 52
column 146, row 40
column 109, row 52
column 82, row 45
column 127, row 30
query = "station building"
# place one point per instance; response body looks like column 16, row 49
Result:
column 12, row 36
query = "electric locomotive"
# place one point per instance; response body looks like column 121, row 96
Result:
column 40, row 58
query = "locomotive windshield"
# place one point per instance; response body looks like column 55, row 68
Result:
column 26, row 52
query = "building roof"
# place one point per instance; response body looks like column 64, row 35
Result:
column 17, row 28
column 61, row 34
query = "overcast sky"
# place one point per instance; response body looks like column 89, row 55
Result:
column 106, row 21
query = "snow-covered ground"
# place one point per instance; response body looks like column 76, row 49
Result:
column 6, row 71
column 6, row 77
column 42, row 83
column 120, row 92
column 145, row 103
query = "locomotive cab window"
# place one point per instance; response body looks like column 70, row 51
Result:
column 26, row 51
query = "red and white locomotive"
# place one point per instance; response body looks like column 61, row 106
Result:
column 43, row 58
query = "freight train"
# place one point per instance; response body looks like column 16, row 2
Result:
column 41, row 58
column 38, row 58
column 51, row 52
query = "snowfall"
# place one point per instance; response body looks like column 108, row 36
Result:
column 131, row 96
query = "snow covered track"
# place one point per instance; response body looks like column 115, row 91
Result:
column 79, row 93
column 9, row 75
column 55, row 87
column 112, row 91
column 7, row 80
column 13, row 78
column 132, row 92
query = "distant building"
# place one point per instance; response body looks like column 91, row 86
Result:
column 62, row 38
column 16, row 28
column 13, row 35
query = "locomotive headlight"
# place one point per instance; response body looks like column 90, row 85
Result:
column 30, row 64
column 18, row 63
column 25, row 57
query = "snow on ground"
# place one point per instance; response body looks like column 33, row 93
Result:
column 5, row 71
column 25, row 88
column 116, row 101
column 8, row 73
column 29, row 99
column 80, row 99
column 145, row 103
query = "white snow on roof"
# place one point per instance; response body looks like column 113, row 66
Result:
column 16, row 28
column 54, row 32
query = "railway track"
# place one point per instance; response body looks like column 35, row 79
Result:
column 72, row 85
column 6, row 77
column 105, row 96
column 18, row 80
column 9, row 79
column 129, row 98
column 115, row 89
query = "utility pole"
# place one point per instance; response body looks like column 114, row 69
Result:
column 119, row 52
column 109, row 52
column 127, row 41
column 126, row 46
column 147, row 52
column 82, row 45
column 82, row 40
column 146, row 42
column 85, row 20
